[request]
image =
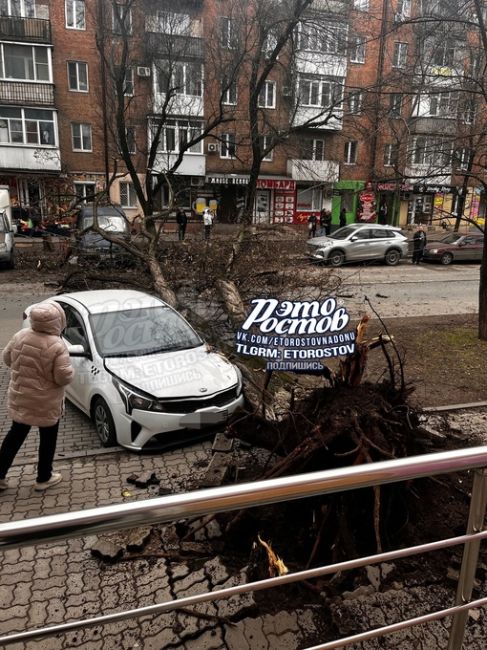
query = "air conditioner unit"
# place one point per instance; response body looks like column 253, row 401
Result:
column 197, row 181
column 142, row 71
column 212, row 147
column 398, row 18
column 287, row 91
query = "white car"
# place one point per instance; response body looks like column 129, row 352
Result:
column 141, row 370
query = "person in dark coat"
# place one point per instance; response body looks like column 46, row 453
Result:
column 419, row 242
column 312, row 225
column 382, row 220
column 325, row 222
column 343, row 217
column 182, row 221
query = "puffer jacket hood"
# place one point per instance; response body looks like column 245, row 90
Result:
column 47, row 317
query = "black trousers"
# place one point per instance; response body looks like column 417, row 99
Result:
column 207, row 232
column 417, row 255
column 181, row 231
column 14, row 440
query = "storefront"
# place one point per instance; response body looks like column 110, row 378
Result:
column 346, row 195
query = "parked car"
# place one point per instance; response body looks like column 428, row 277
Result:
column 455, row 247
column 141, row 370
column 90, row 244
column 360, row 242
column 7, row 242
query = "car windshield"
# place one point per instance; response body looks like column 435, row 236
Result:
column 136, row 332
column 452, row 238
column 112, row 224
column 343, row 233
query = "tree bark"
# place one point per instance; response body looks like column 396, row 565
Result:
column 483, row 295
column 160, row 283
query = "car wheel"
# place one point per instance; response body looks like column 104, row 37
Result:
column 11, row 263
column 103, row 422
column 336, row 258
column 392, row 257
column 446, row 258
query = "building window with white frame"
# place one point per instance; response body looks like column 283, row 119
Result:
column 78, row 76
column 182, row 78
column 444, row 104
column 391, row 154
column 177, row 134
column 228, row 145
column 27, row 126
column 443, row 55
column 319, row 91
column 350, row 157
column 357, row 49
column 81, row 136
column 229, row 92
column 400, row 55
column 309, row 199
column 432, row 150
column 75, row 11
column 462, row 158
column 404, row 8
column 395, row 105
column 228, row 35
column 25, row 62
column 267, row 96
column 130, row 139
column 355, row 99
column 312, row 149
column 361, row 5
column 329, row 39
column 121, row 18
column 128, row 195
column 174, row 24
column 129, row 82
column 265, row 142
column 85, row 192
column 20, row 8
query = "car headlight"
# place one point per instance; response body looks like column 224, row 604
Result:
column 434, row 251
column 239, row 381
column 136, row 400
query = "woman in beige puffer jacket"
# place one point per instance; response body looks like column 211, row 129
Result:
column 40, row 368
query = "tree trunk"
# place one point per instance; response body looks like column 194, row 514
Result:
column 234, row 307
column 160, row 283
column 483, row 295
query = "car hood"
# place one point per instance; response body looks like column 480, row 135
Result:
column 95, row 240
column 170, row 375
column 321, row 241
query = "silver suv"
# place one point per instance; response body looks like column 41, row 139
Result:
column 7, row 244
column 360, row 242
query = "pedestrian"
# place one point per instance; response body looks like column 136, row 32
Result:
column 325, row 222
column 382, row 220
column 419, row 242
column 312, row 225
column 40, row 368
column 182, row 221
column 207, row 222
column 343, row 218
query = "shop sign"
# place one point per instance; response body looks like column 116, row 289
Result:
column 393, row 187
column 433, row 189
column 276, row 184
column 366, row 210
column 295, row 335
column 227, row 180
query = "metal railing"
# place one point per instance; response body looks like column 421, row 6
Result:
column 29, row 532
column 18, row 28
column 25, row 92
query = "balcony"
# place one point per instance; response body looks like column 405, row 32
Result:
column 20, row 93
column 30, row 30
column 32, row 158
column 191, row 165
column 318, row 171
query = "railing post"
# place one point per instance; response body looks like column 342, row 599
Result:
column 476, row 516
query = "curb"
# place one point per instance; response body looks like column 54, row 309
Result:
column 454, row 407
column 72, row 455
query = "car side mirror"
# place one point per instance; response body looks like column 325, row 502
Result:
column 77, row 351
column 353, row 238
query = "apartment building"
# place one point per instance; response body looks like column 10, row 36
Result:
column 360, row 110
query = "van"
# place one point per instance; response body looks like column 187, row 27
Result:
column 112, row 219
column 7, row 243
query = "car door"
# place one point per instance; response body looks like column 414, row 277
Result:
column 79, row 390
column 380, row 242
column 466, row 248
column 477, row 248
column 360, row 244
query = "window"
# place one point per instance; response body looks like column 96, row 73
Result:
column 431, row 150
column 128, row 195
column 404, row 8
column 267, row 96
column 78, row 76
column 265, row 143
column 329, row 39
column 468, row 114
column 176, row 134
column 24, row 8
column 319, row 91
column 400, row 55
column 173, row 23
column 185, row 78
column 130, row 138
column 228, row 147
column 391, row 152
column 228, row 36
column 27, row 126
column 81, row 136
column 395, row 104
column 355, row 98
column 75, row 14
column 121, row 19
column 309, row 199
column 25, row 62
column 85, row 192
column 270, row 44
column 229, row 92
column 443, row 105
column 357, row 49
column 350, row 152
column 462, row 158
column 361, row 5
column 129, row 83
column 312, row 149
column 443, row 55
